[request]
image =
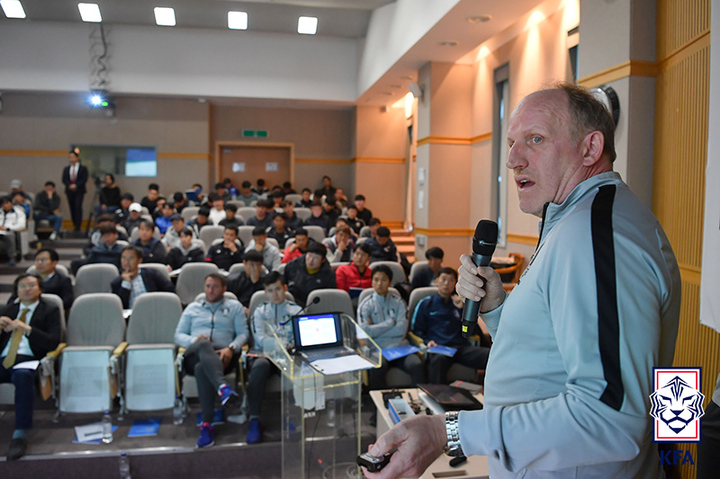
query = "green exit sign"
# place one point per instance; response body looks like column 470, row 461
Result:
column 255, row 133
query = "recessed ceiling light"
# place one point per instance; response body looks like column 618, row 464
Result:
column 237, row 20
column 479, row 19
column 165, row 16
column 387, row 93
column 307, row 25
column 395, row 85
column 449, row 44
column 90, row 12
column 12, row 8
column 407, row 77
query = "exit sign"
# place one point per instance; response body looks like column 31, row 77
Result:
column 255, row 133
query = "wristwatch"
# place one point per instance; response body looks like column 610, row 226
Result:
column 453, row 447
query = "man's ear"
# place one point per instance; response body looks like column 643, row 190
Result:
column 592, row 147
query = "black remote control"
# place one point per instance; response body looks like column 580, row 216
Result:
column 372, row 463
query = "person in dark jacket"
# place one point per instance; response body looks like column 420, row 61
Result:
column 153, row 249
column 244, row 284
column 309, row 272
column 47, row 207
column 109, row 196
column 134, row 281
column 187, row 252
column 74, row 177
column 426, row 277
column 318, row 217
column 227, row 253
column 107, row 251
column 383, row 248
column 53, row 281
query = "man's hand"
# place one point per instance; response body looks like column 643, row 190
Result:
column 469, row 286
column 14, row 324
column 230, row 245
column 293, row 248
column 73, row 186
column 2, row 228
column 431, row 344
column 4, row 321
column 201, row 337
column 419, row 441
column 226, row 355
column 342, row 245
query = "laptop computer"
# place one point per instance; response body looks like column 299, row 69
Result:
column 319, row 336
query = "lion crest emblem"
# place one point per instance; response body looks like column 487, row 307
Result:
column 677, row 404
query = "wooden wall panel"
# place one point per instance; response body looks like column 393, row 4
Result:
column 679, row 22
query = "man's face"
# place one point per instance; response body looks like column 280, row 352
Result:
column 382, row 240
column 446, row 285
column 301, row 241
column 18, row 199
column 380, row 283
column 374, row 228
column 186, row 241
column 219, row 205
column 352, row 213
column 7, row 206
column 360, row 204
column 129, row 262
column 361, row 258
column 167, row 210
column 545, row 160
column 313, row 260
column 135, row 214
column 108, row 180
column 261, row 210
column 73, row 159
column 160, row 204
column 289, row 210
column 316, row 210
column 28, row 290
column 229, row 214
column 229, row 236
column 125, row 203
column 326, row 182
column 145, row 233
column 153, row 195
column 342, row 237
column 276, row 292
column 43, row 264
column 246, row 190
column 202, row 219
column 49, row 189
column 329, row 207
column 260, row 240
column 214, row 290
column 178, row 225
column 435, row 264
column 110, row 238
column 306, row 195
column 338, row 194
column 279, row 223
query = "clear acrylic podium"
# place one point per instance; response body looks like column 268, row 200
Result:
column 320, row 413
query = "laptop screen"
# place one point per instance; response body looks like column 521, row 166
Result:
column 317, row 330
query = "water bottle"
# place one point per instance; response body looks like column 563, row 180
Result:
column 124, row 466
column 331, row 413
column 178, row 411
column 107, row 428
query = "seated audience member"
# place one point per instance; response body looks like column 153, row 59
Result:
column 263, row 214
column 426, row 277
column 214, row 330
column 247, row 196
column 109, row 196
column 292, row 220
column 231, row 218
column 356, row 274
column 272, row 258
column 227, row 253
column 153, row 249
column 185, row 252
column 277, row 199
column 180, row 201
column 47, row 207
column 95, row 235
column 107, row 251
column 260, row 189
column 172, row 235
column 373, row 226
column 164, row 221
column 158, row 207
column 327, row 190
column 150, row 200
column 299, row 247
column 12, row 220
column 340, row 199
column 29, row 329
column 123, row 213
column 20, row 201
column 134, row 218
column 230, row 188
column 217, row 212
column 223, row 193
column 352, row 220
column 362, row 212
column 342, row 221
column 306, row 200
column 383, row 248
column 200, row 199
column 318, row 217
column 331, row 211
column 340, row 246
column 202, row 219
column 16, row 188
column 279, row 230
column 244, row 283
column 438, row 321
column 309, row 272
column 382, row 315
column 288, row 189
column 276, row 313
column 54, row 282
column 134, row 281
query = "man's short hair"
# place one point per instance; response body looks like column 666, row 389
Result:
column 178, row 197
column 74, row 151
column 147, row 224
column 227, row 180
column 306, row 189
column 316, row 203
column 434, row 252
column 383, row 232
column 112, row 177
column 50, row 183
column 330, row 201
column 448, row 270
column 281, row 215
column 22, row 276
column 259, row 231
column 260, row 182
column 154, row 186
column 382, row 268
column 588, row 114
column 219, row 186
column 177, row 217
column 278, row 194
column 352, row 207
column 365, row 248
column 5, row 199
column 204, row 211
column 287, row 184
column 136, row 250
column 218, row 277
column 231, row 207
column 301, row 232
column 246, row 184
column 53, row 254
column 127, row 196
column 105, row 219
column 326, row 177
column 374, row 221
column 359, row 197
column 105, row 229
column 343, row 229
column 213, row 197
column 266, row 203
column 232, row 228
column 185, row 232
column 198, row 185
column 253, row 256
column 288, row 203
column 317, row 248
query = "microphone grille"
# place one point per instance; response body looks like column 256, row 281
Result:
column 486, row 231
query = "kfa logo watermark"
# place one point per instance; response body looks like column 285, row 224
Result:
column 676, row 405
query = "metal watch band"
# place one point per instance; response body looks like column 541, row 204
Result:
column 452, row 430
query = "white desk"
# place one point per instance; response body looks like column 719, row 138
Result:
column 476, row 467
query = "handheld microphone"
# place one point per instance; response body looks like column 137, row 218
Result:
column 315, row 300
column 483, row 245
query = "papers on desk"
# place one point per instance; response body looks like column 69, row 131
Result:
column 391, row 354
column 444, row 350
column 342, row 364
column 33, row 364
column 90, row 434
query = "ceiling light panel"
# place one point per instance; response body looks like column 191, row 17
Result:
column 307, row 25
column 90, row 12
column 237, row 20
column 13, row 8
column 165, row 16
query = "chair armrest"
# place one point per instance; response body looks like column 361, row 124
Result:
column 54, row 354
column 120, row 350
column 415, row 339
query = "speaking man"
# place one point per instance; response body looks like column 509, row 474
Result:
column 570, row 370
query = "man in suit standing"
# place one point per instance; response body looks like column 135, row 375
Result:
column 74, row 177
column 134, row 281
column 29, row 330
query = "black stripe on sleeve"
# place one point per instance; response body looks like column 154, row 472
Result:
column 606, row 283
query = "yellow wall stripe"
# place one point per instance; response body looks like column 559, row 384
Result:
column 323, row 161
column 444, row 231
column 454, row 140
column 379, row 160
column 617, row 72
column 34, row 153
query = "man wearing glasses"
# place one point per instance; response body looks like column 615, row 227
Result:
column 53, row 281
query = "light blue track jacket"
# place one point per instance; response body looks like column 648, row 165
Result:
column 570, row 371
column 274, row 314
column 384, row 318
column 225, row 323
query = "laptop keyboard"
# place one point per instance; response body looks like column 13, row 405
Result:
column 324, row 353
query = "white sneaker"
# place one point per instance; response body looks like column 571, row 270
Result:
column 53, row 236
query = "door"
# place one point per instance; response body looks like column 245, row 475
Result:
column 241, row 162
